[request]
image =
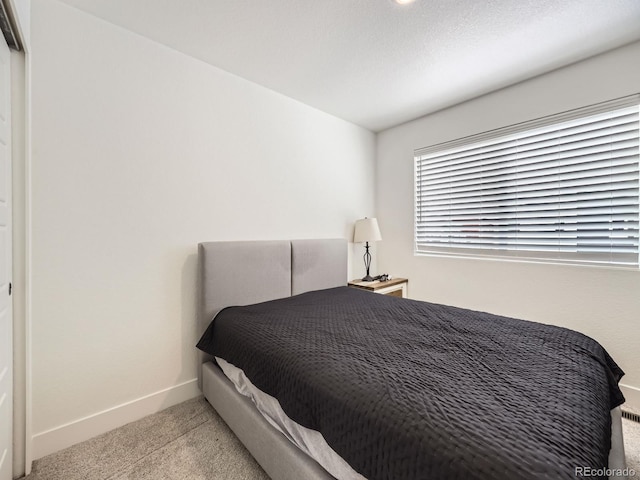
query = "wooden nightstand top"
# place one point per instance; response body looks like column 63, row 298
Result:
column 377, row 284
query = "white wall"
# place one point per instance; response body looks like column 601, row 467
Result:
column 601, row 302
column 139, row 153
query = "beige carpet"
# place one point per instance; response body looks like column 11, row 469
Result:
column 185, row 442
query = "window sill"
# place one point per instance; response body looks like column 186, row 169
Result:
column 538, row 261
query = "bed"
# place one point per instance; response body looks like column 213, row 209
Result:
column 247, row 273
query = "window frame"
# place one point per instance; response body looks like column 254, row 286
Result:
column 513, row 254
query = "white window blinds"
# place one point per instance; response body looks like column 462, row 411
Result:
column 563, row 188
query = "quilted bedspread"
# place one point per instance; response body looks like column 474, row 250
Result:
column 404, row 389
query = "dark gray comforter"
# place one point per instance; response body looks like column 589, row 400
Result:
column 403, row 389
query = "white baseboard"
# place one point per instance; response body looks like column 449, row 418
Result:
column 632, row 396
column 50, row 441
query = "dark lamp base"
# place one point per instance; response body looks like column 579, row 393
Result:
column 368, row 278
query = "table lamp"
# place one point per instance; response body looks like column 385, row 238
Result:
column 367, row 230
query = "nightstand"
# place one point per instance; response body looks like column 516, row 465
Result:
column 396, row 287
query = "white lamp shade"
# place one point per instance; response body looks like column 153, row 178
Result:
column 366, row 230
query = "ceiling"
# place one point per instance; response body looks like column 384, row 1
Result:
column 374, row 62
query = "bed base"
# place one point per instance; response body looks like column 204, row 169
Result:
column 272, row 450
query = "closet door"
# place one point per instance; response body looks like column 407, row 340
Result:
column 6, row 317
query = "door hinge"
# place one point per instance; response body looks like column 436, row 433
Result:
column 9, row 288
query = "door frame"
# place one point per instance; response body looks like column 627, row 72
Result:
column 18, row 13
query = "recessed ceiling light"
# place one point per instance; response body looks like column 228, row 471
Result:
column 403, row 2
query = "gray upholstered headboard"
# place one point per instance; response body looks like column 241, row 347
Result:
column 242, row 273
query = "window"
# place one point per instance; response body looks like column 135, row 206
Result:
column 561, row 189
